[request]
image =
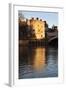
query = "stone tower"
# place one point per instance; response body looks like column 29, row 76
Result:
column 38, row 28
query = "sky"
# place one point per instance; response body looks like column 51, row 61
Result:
column 50, row 17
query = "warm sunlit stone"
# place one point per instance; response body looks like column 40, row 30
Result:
column 39, row 28
column 39, row 59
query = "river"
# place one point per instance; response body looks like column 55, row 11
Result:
column 38, row 62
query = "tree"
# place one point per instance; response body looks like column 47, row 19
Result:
column 21, row 15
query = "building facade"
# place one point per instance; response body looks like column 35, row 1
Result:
column 32, row 29
column 37, row 28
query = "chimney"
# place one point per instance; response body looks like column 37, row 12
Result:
column 32, row 18
column 45, row 22
column 40, row 19
column 37, row 18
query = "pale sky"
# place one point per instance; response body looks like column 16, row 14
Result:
column 50, row 17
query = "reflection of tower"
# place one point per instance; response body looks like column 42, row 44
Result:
column 38, row 28
column 39, row 59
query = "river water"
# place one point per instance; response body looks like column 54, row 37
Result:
column 38, row 62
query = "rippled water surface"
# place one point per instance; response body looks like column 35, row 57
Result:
column 38, row 62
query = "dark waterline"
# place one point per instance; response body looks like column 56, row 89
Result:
column 38, row 62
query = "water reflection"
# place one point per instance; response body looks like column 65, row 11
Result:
column 37, row 62
column 39, row 59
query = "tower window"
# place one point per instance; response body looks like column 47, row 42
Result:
column 38, row 30
column 33, row 30
column 41, row 35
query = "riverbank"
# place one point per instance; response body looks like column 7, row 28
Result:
column 33, row 42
